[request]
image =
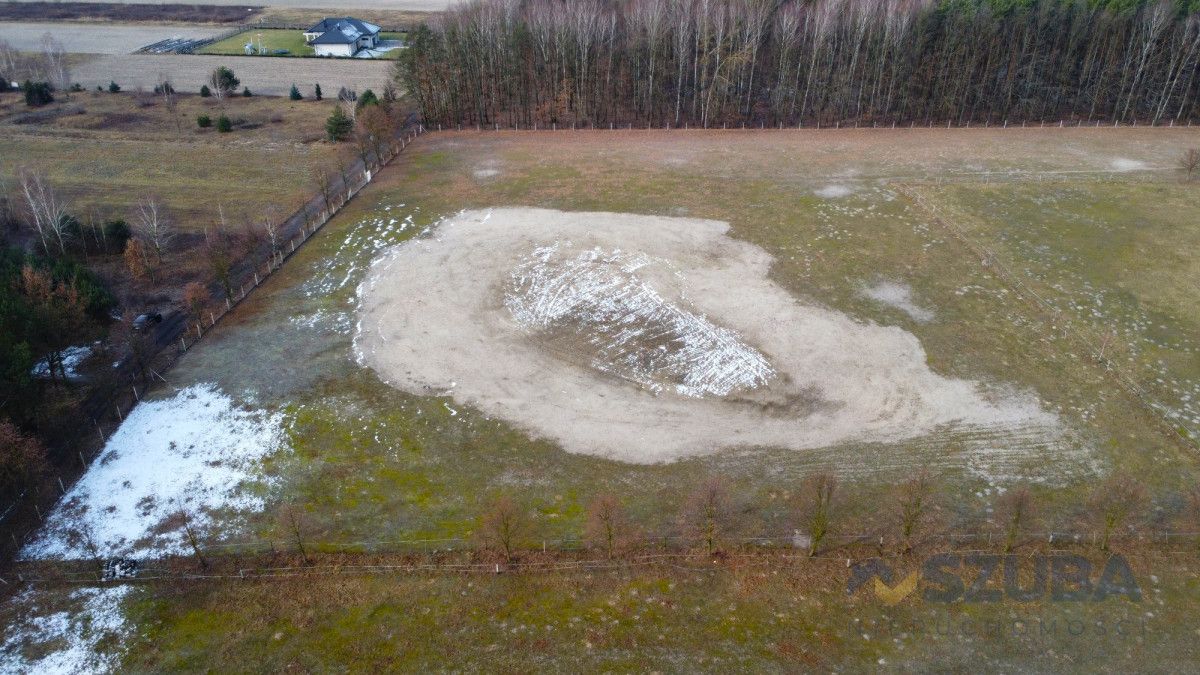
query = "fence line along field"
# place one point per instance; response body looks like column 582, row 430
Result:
column 488, row 326
column 414, row 446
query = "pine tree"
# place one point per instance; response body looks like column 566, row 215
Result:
column 295, row 94
column 317, row 91
column 339, row 125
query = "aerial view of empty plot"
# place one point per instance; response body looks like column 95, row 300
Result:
column 793, row 355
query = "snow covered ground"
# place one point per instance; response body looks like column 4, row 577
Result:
column 73, row 357
column 45, row 641
column 196, row 452
column 633, row 331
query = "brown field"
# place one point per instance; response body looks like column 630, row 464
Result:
column 94, row 38
column 388, row 17
column 123, row 12
column 106, row 151
column 263, row 75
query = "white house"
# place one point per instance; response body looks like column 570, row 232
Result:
column 341, row 37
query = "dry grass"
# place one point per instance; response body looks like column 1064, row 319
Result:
column 122, row 12
column 262, row 74
column 388, row 19
column 106, row 151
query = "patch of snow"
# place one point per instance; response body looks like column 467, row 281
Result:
column 486, row 173
column 72, row 358
column 74, row 636
column 899, row 296
column 1123, row 164
column 194, row 451
column 835, row 191
column 633, row 332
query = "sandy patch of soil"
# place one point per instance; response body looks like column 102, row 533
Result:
column 647, row 339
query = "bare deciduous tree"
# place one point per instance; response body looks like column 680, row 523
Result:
column 607, row 527
column 782, row 62
column 47, row 209
column 1113, row 503
column 819, row 492
column 504, row 527
column 270, row 226
column 1015, row 513
column 195, row 297
column 153, row 226
column 913, row 501
column 1189, row 163
column 706, row 514
column 297, row 527
column 55, row 59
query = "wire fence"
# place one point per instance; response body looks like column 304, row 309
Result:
column 267, row 560
column 106, row 407
column 813, row 125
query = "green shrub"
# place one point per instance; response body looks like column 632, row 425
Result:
column 224, row 125
column 295, row 94
column 339, row 125
column 368, row 98
column 203, row 121
column 205, row 92
column 317, row 91
column 37, row 93
column 246, row 92
column 116, row 233
column 113, row 87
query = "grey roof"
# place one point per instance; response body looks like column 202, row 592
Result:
column 341, row 31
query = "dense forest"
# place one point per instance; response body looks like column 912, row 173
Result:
column 714, row 62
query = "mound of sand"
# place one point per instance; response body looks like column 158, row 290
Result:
column 646, row 339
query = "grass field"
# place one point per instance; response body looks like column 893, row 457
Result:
column 276, row 40
column 1019, row 252
column 107, row 151
column 750, row 613
column 421, row 466
column 96, row 38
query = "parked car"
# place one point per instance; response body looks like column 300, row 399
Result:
column 144, row 323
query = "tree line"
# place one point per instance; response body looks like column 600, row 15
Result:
column 714, row 62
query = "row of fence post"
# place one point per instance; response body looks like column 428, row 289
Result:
column 763, row 126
